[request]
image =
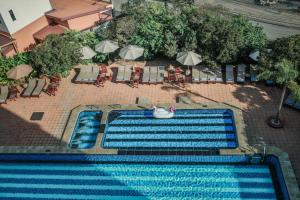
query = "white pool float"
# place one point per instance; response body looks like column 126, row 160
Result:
column 161, row 113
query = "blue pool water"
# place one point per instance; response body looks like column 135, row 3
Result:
column 134, row 177
column 86, row 130
column 189, row 129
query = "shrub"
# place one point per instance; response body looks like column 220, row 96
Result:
column 56, row 55
column 210, row 31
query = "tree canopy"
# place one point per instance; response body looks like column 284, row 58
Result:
column 282, row 49
column 56, row 55
column 162, row 31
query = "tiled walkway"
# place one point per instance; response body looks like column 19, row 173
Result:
column 256, row 102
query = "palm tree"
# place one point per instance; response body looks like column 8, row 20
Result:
column 283, row 73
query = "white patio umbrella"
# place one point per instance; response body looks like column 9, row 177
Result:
column 19, row 71
column 189, row 58
column 106, row 46
column 254, row 55
column 131, row 52
column 87, row 53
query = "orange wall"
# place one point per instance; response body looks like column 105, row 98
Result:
column 24, row 37
column 84, row 22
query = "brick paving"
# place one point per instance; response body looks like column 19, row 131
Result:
column 256, row 103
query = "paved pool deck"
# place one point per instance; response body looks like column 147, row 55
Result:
column 254, row 103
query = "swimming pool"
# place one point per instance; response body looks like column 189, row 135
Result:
column 139, row 177
column 86, row 130
column 188, row 129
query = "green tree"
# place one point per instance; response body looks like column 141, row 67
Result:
column 284, row 73
column 83, row 38
column 210, row 31
column 253, row 36
column 56, row 55
column 150, row 30
column 286, row 48
column 283, row 48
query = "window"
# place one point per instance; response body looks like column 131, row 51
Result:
column 12, row 15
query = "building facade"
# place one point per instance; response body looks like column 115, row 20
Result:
column 23, row 24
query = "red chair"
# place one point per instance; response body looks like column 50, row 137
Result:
column 103, row 69
column 171, row 76
column 135, row 80
column 51, row 89
column 100, row 80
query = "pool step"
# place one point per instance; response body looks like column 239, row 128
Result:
column 86, row 130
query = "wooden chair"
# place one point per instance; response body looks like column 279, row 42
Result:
column 51, row 89
column 100, row 80
column 13, row 93
column 135, row 80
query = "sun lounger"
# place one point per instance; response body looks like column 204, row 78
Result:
column 196, row 74
column 153, row 74
column 241, row 73
column 3, row 94
column 30, row 87
column 85, row 75
column 146, row 75
column 290, row 101
column 94, row 74
column 211, row 76
column 127, row 73
column 218, row 72
column 297, row 105
column 269, row 82
column 253, row 74
column 120, row 75
column 229, row 74
column 160, row 74
column 39, row 87
column 203, row 76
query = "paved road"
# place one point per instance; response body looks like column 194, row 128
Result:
column 274, row 31
column 276, row 24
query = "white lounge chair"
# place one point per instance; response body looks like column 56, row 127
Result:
column 3, row 94
column 85, row 75
column 229, row 74
column 153, row 74
column 41, row 83
column 120, row 75
column 203, row 77
column 94, row 74
column 211, row 76
column 196, row 74
column 30, row 87
column 219, row 76
column 127, row 73
column 146, row 74
column 160, row 74
column 241, row 73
